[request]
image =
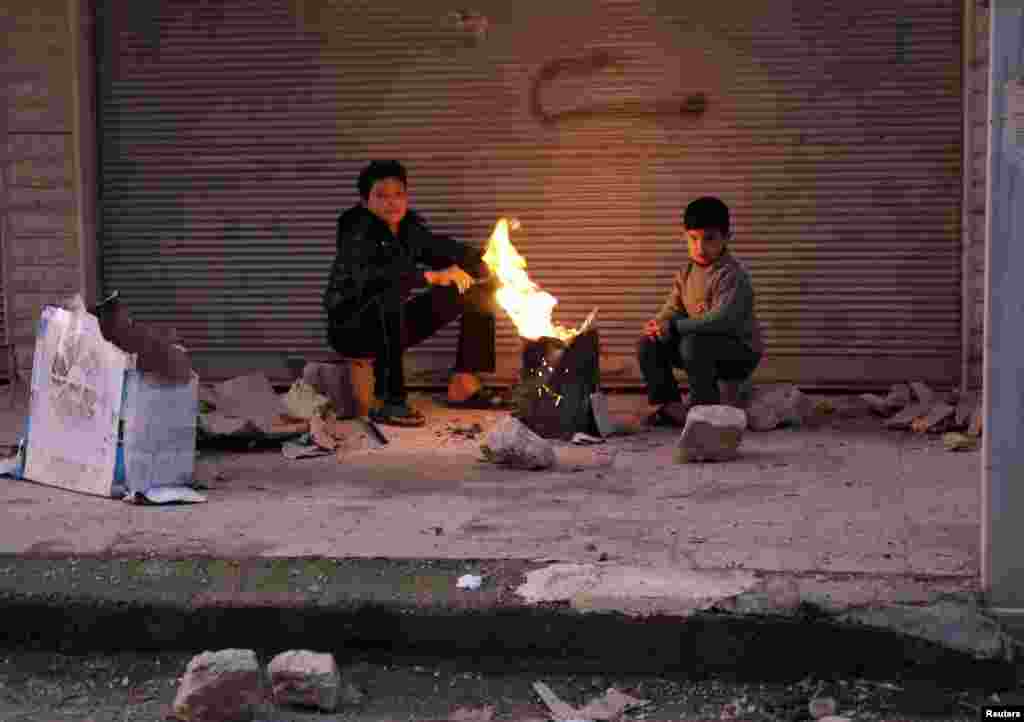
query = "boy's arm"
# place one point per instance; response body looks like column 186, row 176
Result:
column 734, row 298
column 439, row 251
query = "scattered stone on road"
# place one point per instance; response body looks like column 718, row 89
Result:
column 224, row 686
column 511, row 443
column 306, row 679
column 712, row 433
column 822, row 707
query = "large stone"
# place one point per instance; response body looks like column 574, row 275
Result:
column 712, row 433
column 511, row 443
column 224, row 686
column 305, row 679
column 790, row 404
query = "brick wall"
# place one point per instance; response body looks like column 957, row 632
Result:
column 978, row 99
column 42, row 251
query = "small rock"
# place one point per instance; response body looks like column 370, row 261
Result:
column 905, row 418
column 224, row 686
column 954, row 441
column 511, row 443
column 590, row 547
column 604, row 557
column 822, row 707
column 939, row 414
column 762, row 417
column 306, row 679
column 965, row 405
column 877, row 404
column 922, row 393
column 899, row 396
column 712, row 433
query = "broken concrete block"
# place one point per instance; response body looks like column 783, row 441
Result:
column 762, row 417
column 224, row 686
column 921, row 392
column 789, row 403
column 878, row 405
column 712, row 433
column 965, row 406
column 899, row 396
column 934, row 420
column 305, row 679
column 955, row 441
column 511, row 443
column 905, row 418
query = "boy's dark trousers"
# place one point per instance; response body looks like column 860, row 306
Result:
column 706, row 358
column 392, row 323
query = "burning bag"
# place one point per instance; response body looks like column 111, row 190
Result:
column 556, row 383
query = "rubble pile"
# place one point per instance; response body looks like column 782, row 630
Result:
column 918, row 408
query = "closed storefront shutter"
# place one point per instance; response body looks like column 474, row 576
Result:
column 232, row 133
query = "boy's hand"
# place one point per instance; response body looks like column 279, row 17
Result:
column 652, row 329
column 449, row 276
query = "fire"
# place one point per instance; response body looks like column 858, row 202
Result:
column 527, row 305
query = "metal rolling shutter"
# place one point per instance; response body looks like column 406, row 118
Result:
column 232, row 133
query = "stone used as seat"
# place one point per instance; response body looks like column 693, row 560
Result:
column 347, row 382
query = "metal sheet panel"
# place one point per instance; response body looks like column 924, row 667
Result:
column 232, row 134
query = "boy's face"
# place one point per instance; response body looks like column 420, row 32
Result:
column 705, row 244
column 388, row 200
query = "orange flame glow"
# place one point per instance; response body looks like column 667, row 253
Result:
column 527, row 305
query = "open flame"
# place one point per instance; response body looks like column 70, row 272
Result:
column 527, row 305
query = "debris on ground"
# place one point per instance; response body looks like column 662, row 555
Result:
column 581, row 439
column 302, row 400
column 303, row 678
column 712, row 433
column 469, row 581
column 469, row 432
column 608, row 706
column 220, row 687
column 512, row 444
column 160, row 495
column 956, row 441
column 922, row 410
column 247, row 407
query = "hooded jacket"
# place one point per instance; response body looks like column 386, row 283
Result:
column 372, row 261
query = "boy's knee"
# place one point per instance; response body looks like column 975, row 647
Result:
column 694, row 347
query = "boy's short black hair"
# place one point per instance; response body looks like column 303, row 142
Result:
column 707, row 212
column 378, row 170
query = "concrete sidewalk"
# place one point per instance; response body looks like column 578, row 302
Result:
column 847, row 524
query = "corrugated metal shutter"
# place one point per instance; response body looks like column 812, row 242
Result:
column 232, row 133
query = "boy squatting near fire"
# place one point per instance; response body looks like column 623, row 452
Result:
column 706, row 326
column 373, row 313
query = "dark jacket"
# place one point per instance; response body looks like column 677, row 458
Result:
column 371, row 261
column 729, row 301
